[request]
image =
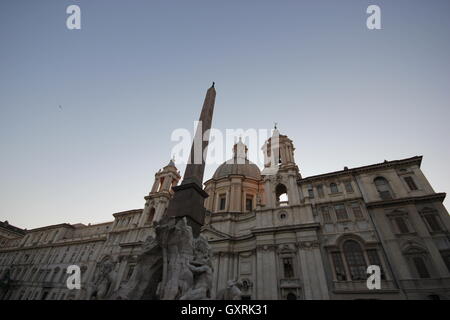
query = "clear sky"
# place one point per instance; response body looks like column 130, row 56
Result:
column 137, row 70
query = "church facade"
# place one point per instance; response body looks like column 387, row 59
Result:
column 289, row 237
column 281, row 235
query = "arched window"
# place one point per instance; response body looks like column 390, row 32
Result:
column 355, row 260
column 249, row 202
column 281, row 195
column 383, row 188
column 222, row 201
column 161, row 183
column 334, row 188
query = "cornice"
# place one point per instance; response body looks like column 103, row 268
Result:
column 131, row 244
column 228, row 178
column 55, row 244
column 11, row 229
column 295, row 227
column 55, row 226
column 128, row 212
column 388, row 164
column 164, row 194
column 408, row 200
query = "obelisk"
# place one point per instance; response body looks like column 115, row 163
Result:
column 189, row 196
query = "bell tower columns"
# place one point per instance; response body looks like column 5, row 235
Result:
column 157, row 200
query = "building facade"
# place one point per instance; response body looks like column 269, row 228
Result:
column 283, row 236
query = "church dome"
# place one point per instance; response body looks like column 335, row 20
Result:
column 239, row 165
column 248, row 169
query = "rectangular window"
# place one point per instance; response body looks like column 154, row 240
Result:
column 320, row 191
column 341, row 212
column 334, row 188
column 432, row 222
column 249, row 203
column 421, row 267
column 374, row 259
column 339, row 269
column 402, row 227
column 411, row 184
column 310, row 192
column 348, row 186
column 288, row 268
column 357, row 211
column 446, row 257
column 326, row 215
column 222, row 202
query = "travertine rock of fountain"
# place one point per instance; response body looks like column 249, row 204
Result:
column 171, row 266
column 231, row 292
column 104, row 279
column 147, row 274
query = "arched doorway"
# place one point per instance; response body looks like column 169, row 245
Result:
column 291, row 296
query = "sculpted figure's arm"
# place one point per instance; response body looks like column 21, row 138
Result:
column 199, row 269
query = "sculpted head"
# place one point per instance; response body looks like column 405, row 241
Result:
column 202, row 250
column 149, row 243
column 230, row 283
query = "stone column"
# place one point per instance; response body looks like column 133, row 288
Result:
column 269, row 194
column 266, row 278
column 313, row 272
column 293, row 188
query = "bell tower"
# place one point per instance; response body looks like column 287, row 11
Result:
column 280, row 172
column 279, row 151
column 158, row 199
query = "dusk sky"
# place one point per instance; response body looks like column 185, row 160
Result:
column 86, row 116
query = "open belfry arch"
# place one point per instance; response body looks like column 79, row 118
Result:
column 157, row 201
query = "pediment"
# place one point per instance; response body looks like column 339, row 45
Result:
column 213, row 234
